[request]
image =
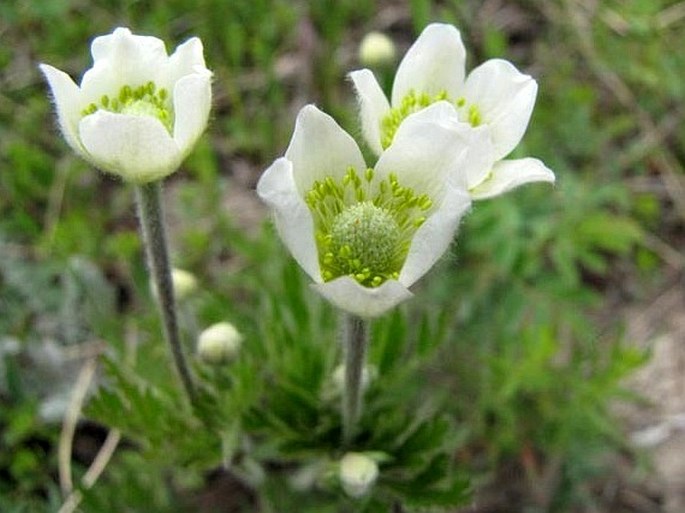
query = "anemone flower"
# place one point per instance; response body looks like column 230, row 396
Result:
column 138, row 111
column 495, row 94
column 365, row 235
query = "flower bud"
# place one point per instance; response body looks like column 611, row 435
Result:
column 358, row 473
column 368, row 373
column 219, row 344
column 376, row 50
column 184, row 282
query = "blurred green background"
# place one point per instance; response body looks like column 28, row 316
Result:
column 518, row 333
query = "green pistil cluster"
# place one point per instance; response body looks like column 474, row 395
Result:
column 364, row 227
column 414, row 102
column 144, row 100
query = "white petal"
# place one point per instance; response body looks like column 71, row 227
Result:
column 292, row 217
column 348, row 295
column 122, row 58
column 192, row 102
column 434, row 236
column 107, row 47
column 320, row 148
column 374, row 106
column 137, row 148
column 67, row 97
column 505, row 98
column 508, row 174
column 434, row 63
column 475, row 165
column 425, row 151
column 188, row 58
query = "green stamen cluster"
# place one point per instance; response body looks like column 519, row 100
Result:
column 411, row 103
column 144, row 100
column 364, row 227
column 414, row 102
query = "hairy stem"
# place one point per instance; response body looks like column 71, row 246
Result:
column 355, row 339
column 149, row 201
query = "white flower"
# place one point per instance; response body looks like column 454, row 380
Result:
column 220, row 343
column 495, row 94
column 365, row 235
column 358, row 473
column 138, row 112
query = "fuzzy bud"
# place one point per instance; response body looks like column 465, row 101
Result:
column 368, row 374
column 376, row 50
column 219, row 344
column 358, row 473
column 185, row 284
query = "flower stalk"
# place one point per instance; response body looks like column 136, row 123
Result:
column 355, row 341
column 148, row 197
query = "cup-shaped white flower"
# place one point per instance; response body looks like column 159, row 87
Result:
column 495, row 94
column 365, row 235
column 138, row 111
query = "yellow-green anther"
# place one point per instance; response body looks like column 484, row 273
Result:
column 410, row 104
column 125, row 93
column 461, row 102
column 425, row 202
column 475, row 118
column 141, row 101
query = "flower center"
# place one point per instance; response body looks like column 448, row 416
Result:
column 145, row 100
column 364, row 227
column 363, row 237
column 414, row 102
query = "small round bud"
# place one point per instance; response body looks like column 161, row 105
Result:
column 358, row 473
column 219, row 344
column 185, row 283
column 376, row 50
column 368, row 373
